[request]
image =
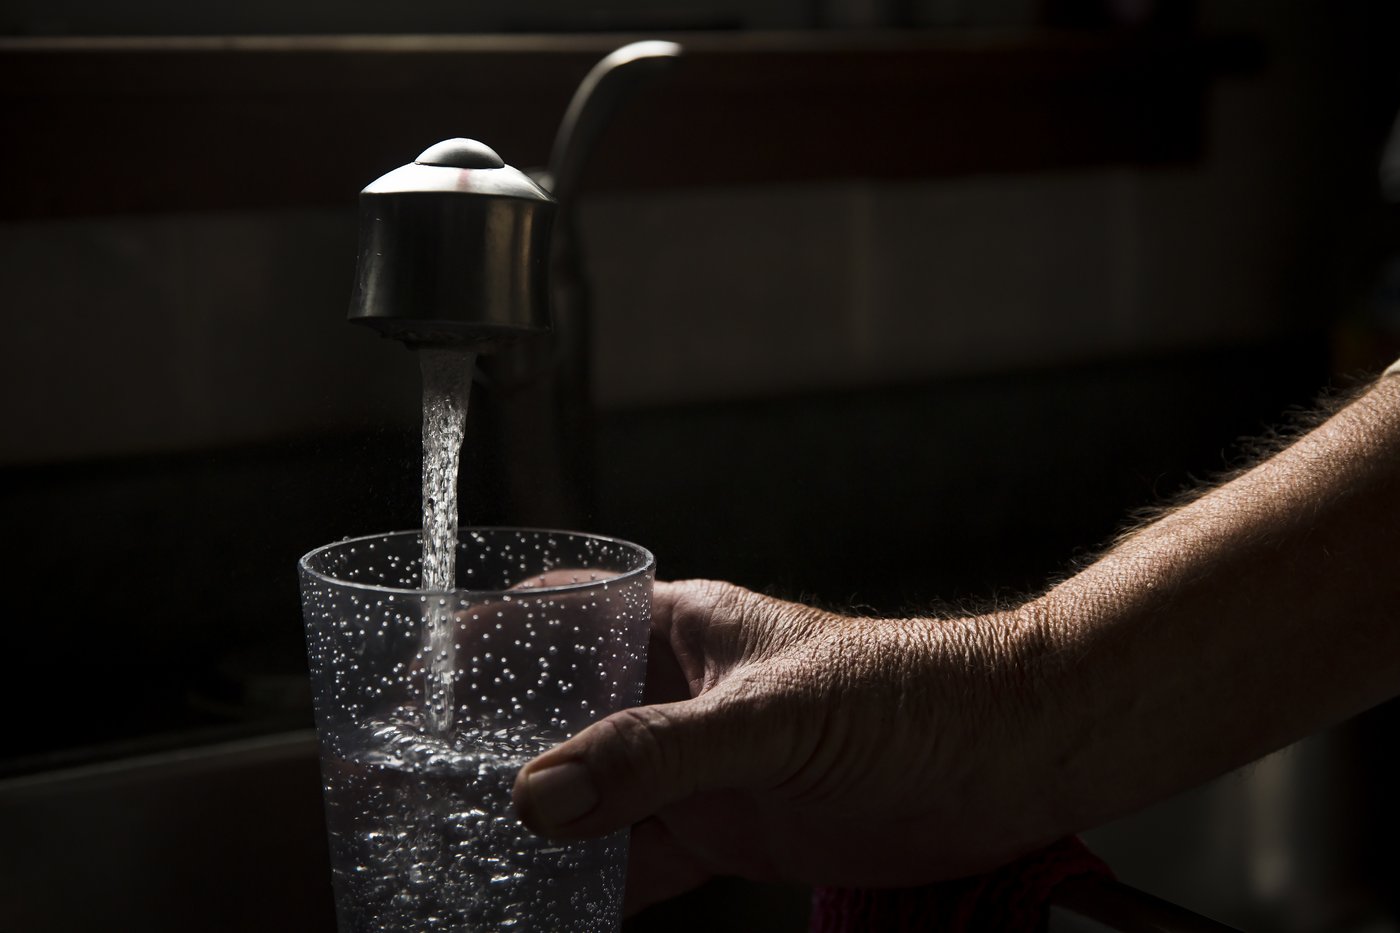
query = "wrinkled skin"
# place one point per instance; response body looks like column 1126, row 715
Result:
column 784, row 742
column 792, row 743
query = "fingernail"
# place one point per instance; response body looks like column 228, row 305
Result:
column 561, row 794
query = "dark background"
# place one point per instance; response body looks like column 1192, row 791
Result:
column 885, row 319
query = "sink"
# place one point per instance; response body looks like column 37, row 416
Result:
column 227, row 837
column 230, row 836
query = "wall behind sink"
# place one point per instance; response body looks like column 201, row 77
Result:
column 186, row 384
column 138, row 334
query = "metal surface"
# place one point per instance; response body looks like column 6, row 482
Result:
column 1095, row 905
column 1299, row 841
column 221, row 838
column 598, row 97
column 454, row 248
column 537, row 396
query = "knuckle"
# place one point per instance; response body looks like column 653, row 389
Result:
column 703, row 609
column 636, row 741
column 715, row 595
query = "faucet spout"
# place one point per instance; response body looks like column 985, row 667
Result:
column 454, row 249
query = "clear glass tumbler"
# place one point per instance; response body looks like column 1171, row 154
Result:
column 428, row 703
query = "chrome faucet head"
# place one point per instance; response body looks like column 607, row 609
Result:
column 454, row 249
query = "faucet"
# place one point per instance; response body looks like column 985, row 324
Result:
column 459, row 249
column 454, row 249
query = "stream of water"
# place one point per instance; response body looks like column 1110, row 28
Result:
column 447, row 382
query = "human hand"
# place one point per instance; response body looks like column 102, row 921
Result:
column 785, row 742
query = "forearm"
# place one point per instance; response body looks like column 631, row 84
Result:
column 1257, row 614
column 789, row 742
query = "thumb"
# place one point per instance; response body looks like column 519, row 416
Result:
column 628, row 766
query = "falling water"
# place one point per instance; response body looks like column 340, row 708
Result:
column 447, row 380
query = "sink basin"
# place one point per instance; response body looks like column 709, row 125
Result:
column 230, row 837
column 218, row 838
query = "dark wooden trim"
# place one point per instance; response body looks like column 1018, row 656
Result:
column 97, row 126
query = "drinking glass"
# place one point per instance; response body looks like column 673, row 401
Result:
column 428, row 703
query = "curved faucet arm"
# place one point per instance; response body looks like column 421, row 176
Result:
column 598, row 97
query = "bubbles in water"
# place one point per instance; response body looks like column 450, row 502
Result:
column 418, row 812
column 447, row 381
column 424, row 839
